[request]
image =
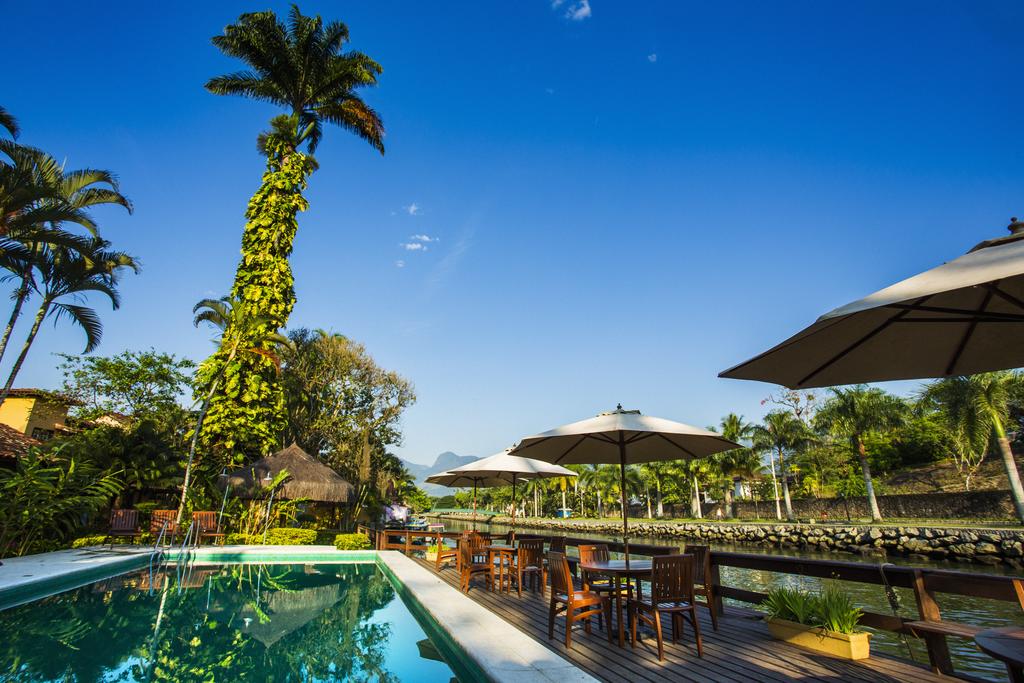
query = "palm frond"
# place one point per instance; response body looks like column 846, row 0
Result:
column 84, row 317
column 9, row 123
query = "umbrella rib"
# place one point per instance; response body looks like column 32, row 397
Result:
column 994, row 288
column 682, row 448
column 968, row 333
column 1009, row 317
column 860, row 341
column 562, row 456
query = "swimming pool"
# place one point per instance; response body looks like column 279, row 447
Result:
column 284, row 621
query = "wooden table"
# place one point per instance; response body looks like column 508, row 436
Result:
column 618, row 570
column 505, row 555
column 1007, row 645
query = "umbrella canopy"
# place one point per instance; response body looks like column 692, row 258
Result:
column 501, row 469
column 963, row 317
column 307, row 478
column 623, row 437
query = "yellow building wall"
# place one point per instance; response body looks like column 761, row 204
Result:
column 28, row 413
column 15, row 413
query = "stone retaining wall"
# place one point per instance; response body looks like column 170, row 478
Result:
column 984, row 546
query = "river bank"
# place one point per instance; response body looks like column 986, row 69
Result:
column 927, row 542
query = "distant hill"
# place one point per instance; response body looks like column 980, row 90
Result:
column 444, row 461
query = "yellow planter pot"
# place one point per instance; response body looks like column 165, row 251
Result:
column 431, row 557
column 845, row 645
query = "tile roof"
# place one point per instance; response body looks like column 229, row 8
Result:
column 14, row 444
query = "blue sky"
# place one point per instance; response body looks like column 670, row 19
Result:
column 622, row 199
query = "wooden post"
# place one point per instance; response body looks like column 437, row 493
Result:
column 715, row 595
column 928, row 609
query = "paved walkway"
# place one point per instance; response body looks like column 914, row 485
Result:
column 23, row 578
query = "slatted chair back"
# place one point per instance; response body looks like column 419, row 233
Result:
column 561, row 577
column 510, row 537
column 531, row 553
column 477, row 544
column 594, row 553
column 701, row 562
column 206, row 521
column 124, row 520
column 672, row 579
column 465, row 553
column 159, row 517
column 557, row 544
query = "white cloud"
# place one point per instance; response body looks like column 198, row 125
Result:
column 577, row 10
column 653, row 57
column 399, row 263
column 424, row 238
column 413, row 209
column 550, row 91
column 413, row 246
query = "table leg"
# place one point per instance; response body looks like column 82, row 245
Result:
column 618, row 610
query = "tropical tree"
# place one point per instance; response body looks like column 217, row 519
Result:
column 657, row 474
column 301, row 66
column 241, row 334
column 69, row 276
column 975, row 407
column 854, row 412
column 9, row 123
column 737, row 461
column 54, row 197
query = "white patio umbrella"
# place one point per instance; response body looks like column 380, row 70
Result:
column 622, row 437
column 454, row 479
column 961, row 318
column 504, row 468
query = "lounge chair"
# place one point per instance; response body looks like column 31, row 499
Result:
column 207, row 526
column 672, row 593
column 565, row 598
column 162, row 519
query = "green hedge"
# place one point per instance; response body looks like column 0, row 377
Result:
column 352, row 542
column 101, row 539
column 279, row 536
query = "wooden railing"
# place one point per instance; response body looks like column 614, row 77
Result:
column 925, row 583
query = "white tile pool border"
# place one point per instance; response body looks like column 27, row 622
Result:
column 502, row 651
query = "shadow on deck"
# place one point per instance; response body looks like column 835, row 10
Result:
column 741, row 649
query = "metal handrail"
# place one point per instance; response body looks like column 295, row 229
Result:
column 157, row 556
column 184, row 560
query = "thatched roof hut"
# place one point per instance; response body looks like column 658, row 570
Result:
column 307, row 478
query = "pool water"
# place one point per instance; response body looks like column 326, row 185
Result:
column 228, row 622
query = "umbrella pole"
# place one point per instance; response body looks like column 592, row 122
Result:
column 622, row 490
column 474, row 505
column 514, row 506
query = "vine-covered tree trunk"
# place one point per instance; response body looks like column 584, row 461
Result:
column 783, row 471
column 865, row 468
column 247, row 413
column 1010, row 465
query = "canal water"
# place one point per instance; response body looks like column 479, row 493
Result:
column 967, row 659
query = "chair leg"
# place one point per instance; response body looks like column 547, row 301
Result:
column 551, row 619
column 631, row 612
column 568, row 627
column 675, row 627
column 607, row 604
column 657, row 633
column 714, row 613
column 696, row 633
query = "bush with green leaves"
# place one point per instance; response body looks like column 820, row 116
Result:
column 352, row 542
column 289, row 536
column 46, row 497
column 830, row 608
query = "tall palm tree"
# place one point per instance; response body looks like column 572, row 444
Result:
column 241, row 333
column 977, row 406
column 657, row 474
column 301, row 66
column 73, row 192
column 68, row 277
column 733, row 463
column 853, row 412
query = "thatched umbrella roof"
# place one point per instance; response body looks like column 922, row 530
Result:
column 307, row 478
column 288, row 611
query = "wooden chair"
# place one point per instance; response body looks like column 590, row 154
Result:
column 557, row 544
column 469, row 564
column 162, row 518
column 672, row 593
column 123, row 524
column 207, row 526
column 445, row 553
column 577, row 604
column 510, row 537
column 702, row 578
column 604, row 586
column 530, row 564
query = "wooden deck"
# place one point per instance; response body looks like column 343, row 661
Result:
column 740, row 650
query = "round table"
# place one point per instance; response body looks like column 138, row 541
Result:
column 1007, row 645
column 505, row 554
column 618, row 570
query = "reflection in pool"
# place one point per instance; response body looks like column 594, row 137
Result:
column 282, row 622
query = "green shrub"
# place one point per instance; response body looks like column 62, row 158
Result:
column 240, row 539
column 86, row 541
column 289, row 536
column 829, row 608
column 352, row 542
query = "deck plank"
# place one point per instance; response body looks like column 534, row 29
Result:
column 741, row 649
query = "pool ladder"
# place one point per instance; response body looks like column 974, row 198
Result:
column 184, row 562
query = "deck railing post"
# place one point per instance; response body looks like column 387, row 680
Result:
column 714, row 583
column 928, row 609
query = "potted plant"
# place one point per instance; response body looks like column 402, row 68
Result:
column 825, row 621
column 432, row 551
